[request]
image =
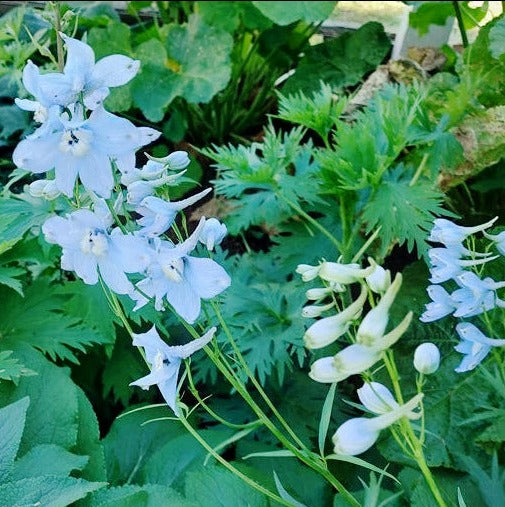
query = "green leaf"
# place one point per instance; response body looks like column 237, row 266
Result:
column 46, row 459
column 222, row 15
column 361, row 463
column 429, row 13
column 11, row 368
column 405, row 212
column 113, row 39
column 7, row 277
column 497, row 39
column 205, row 486
column 342, row 61
column 46, row 490
column 284, row 13
column 12, row 120
column 284, row 494
column 12, row 423
column 283, row 453
column 324, row 422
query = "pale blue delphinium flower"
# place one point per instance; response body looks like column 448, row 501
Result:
column 90, row 251
column 83, row 147
column 475, row 295
column 81, row 75
column 475, row 346
column 446, row 263
column 165, row 362
column 174, row 161
column 441, row 305
column 449, row 234
column 138, row 189
column 181, row 279
column 213, row 233
column 499, row 239
column 158, row 214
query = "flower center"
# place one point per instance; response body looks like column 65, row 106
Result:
column 173, row 269
column 76, row 142
column 95, row 242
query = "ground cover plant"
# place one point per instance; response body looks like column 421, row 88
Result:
column 206, row 304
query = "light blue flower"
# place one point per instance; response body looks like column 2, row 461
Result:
column 499, row 239
column 89, row 250
column 212, row 233
column 165, row 362
column 80, row 75
column 449, row 234
column 181, row 279
column 83, row 147
column 158, row 214
column 441, row 305
column 475, row 346
column 475, row 295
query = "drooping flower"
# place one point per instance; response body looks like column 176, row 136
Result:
column 90, row 251
column 307, row 271
column 357, row 435
column 327, row 330
column 427, row 358
column 377, row 398
column 83, row 147
column 344, row 273
column 379, row 279
column 212, row 233
column 442, row 304
column 180, row 278
column 158, row 214
column 165, row 362
column 174, row 161
column 449, row 234
column 475, row 346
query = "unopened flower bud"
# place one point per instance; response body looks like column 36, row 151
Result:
column 175, row 161
column 355, row 436
column 380, row 279
column 152, row 170
column 377, row 398
column 137, row 191
column 51, row 191
column 36, row 188
column 313, row 311
column 427, row 358
column 213, row 233
column 307, row 271
column 317, row 293
column 343, row 273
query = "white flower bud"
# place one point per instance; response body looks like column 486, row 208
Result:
column 377, row 398
column 374, row 324
column 175, row 161
column 51, row 191
column 355, row 436
column 137, row 191
column 318, row 293
column 380, row 279
column 343, row 273
column 213, row 233
column 152, row 170
column 36, row 188
column 307, row 271
column 130, row 177
column 427, row 358
column 313, row 311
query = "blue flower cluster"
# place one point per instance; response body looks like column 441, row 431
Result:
column 474, row 295
column 121, row 213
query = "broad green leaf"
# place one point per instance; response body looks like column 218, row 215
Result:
column 46, row 459
column 47, row 490
column 7, row 277
column 12, row 423
column 497, row 38
column 53, row 411
column 206, row 486
column 12, row 120
column 223, row 15
column 430, row 13
column 284, row 13
column 342, row 61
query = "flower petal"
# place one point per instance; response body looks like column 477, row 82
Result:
column 115, row 70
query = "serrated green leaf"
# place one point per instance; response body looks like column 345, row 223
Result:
column 46, row 459
column 47, row 490
column 285, row 13
column 12, row 423
column 11, row 368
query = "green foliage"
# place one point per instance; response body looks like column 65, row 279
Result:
column 11, row 368
column 341, row 62
column 284, row 13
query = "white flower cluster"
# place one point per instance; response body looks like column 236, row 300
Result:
column 120, row 226
column 474, row 296
column 369, row 340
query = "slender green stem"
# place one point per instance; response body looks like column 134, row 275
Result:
column 230, row 467
column 461, row 24
column 312, row 221
column 59, row 42
column 419, row 170
column 368, row 242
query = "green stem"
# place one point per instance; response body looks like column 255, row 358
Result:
column 312, row 221
column 419, row 170
column 59, row 42
column 461, row 24
column 230, row 467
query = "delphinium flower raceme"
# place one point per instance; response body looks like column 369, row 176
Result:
column 360, row 300
column 100, row 240
column 476, row 295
